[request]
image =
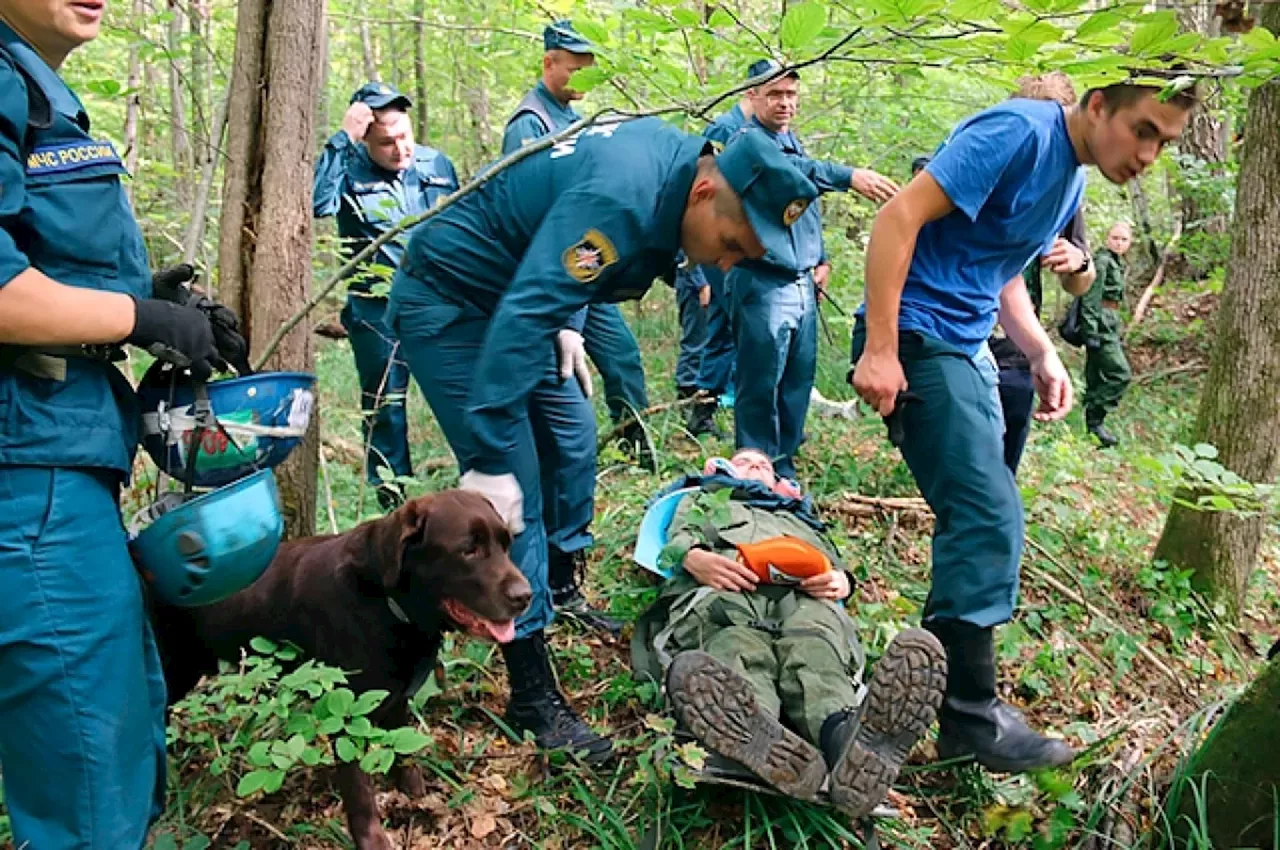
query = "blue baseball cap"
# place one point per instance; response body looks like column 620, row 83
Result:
column 773, row 191
column 767, row 69
column 380, row 96
column 562, row 36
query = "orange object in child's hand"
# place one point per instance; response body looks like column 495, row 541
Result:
column 783, row 560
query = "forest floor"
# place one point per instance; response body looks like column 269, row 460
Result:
column 1108, row 649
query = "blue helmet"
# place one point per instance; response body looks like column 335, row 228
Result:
column 256, row 421
column 204, row 549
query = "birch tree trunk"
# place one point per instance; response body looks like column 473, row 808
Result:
column 179, row 141
column 132, row 107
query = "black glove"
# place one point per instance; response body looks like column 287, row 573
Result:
column 173, row 284
column 177, row 334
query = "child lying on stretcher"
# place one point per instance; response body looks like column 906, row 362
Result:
column 761, row 663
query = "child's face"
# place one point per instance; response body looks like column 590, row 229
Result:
column 1119, row 239
column 754, row 466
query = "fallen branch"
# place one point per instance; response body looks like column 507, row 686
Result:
column 1150, row 292
column 1028, row 567
column 1156, row 375
column 888, row 503
column 635, row 416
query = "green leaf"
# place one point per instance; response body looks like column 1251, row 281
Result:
column 339, row 701
column 106, row 88
column 720, row 19
column 973, row 10
column 686, row 17
column 262, row 645
column 1150, row 38
column 259, row 754
column 1103, row 21
column 1205, row 450
column 586, row 79
column 310, row 756
column 1259, row 38
column 331, row 725
column 284, row 762
column 295, row 745
column 252, row 782
column 405, row 741
column 198, row 842
column 802, row 24
column 274, row 780
column 347, row 751
column 369, row 700
column 360, row 726
column 165, row 841
column 594, row 32
column 377, row 761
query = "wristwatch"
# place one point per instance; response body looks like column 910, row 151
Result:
column 1084, row 267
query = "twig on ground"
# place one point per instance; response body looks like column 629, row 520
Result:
column 635, row 416
column 328, row 490
column 1157, row 374
column 268, row 827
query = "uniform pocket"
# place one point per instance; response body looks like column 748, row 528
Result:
column 79, row 223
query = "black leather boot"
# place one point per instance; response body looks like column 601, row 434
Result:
column 1093, row 423
column 565, row 571
column 973, row 721
column 702, row 419
column 864, row 748
column 537, row 705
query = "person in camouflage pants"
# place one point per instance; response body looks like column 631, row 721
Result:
column 1106, row 369
column 741, row 656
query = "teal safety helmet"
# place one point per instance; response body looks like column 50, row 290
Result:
column 201, row 550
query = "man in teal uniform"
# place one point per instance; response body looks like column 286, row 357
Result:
column 773, row 306
column 487, row 287
column 567, row 435
column 936, row 283
column 715, row 356
column 81, row 693
column 1106, row 369
column 371, row 175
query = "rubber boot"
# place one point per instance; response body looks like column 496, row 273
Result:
column 636, row 443
column 973, row 721
column 718, row 706
column 865, row 747
column 564, row 572
column 537, row 705
column 702, row 419
column 1093, row 423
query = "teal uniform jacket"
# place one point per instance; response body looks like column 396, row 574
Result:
column 530, row 119
column 369, row 200
column 63, row 212
column 595, row 218
column 82, row 698
column 806, row 233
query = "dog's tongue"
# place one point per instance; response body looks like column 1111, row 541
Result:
column 503, row 632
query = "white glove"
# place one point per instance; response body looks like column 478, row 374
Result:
column 502, row 491
column 571, row 354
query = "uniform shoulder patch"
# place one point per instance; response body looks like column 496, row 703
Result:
column 794, row 210
column 587, row 258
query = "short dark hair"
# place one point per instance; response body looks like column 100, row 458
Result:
column 1120, row 95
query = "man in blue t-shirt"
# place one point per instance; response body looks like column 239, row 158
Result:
column 942, row 266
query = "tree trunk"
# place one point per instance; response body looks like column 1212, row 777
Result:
column 198, row 13
column 370, row 60
column 1143, row 210
column 1240, row 410
column 1236, row 773
column 266, row 270
column 420, row 66
column 179, row 142
column 132, row 107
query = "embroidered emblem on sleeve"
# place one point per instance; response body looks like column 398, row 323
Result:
column 587, row 258
column 794, row 210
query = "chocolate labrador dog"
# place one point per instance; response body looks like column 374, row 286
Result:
column 374, row 601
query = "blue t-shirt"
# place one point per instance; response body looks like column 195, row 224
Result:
column 1015, row 181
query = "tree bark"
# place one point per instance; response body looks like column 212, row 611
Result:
column 420, row 67
column 179, row 141
column 370, row 60
column 1240, row 409
column 1236, row 773
column 1143, row 210
column 132, row 107
column 266, row 270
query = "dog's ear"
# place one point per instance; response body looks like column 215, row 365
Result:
column 390, row 536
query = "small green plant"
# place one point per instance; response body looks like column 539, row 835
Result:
column 263, row 722
column 1199, row 482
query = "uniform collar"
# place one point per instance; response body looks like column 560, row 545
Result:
column 674, row 195
column 545, row 93
column 61, row 98
column 783, row 139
